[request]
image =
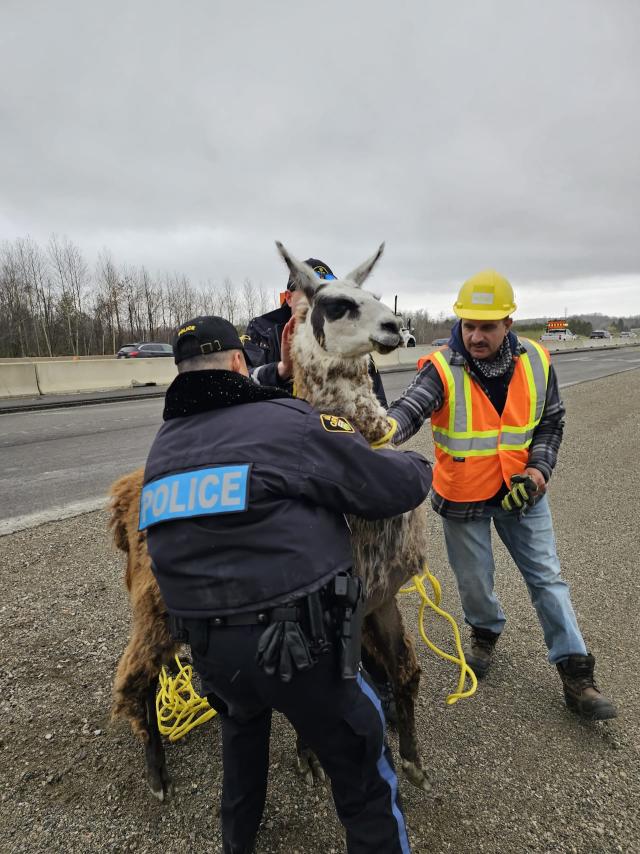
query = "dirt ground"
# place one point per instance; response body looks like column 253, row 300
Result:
column 513, row 770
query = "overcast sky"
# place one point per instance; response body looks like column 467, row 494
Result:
column 189, row 136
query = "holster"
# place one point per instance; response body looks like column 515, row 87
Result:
column 177, row 629
column 348, row 601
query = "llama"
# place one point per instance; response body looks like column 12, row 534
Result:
column 336, row 329
column 335, row 332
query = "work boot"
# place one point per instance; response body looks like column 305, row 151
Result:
column 479, row 650
column 580, row 691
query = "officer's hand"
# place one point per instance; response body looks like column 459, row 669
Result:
column 285, row 365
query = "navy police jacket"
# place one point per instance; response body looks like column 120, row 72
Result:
column 263, row 353
column 245, row 491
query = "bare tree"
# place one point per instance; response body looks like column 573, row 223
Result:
column 40, row 291
column 265, row 303
column 111, row 289
column 70, row 269
column 229, row 303
column 249, row 301
column 15, row 316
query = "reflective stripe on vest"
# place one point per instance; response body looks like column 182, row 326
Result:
column 459, row 439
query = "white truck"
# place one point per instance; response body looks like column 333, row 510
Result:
column 557, row 330
column 408, row 338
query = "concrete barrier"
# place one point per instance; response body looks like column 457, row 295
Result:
column 19, row 380
column 402, row 356
column 101, row 375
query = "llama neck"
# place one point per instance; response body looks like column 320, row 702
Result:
column 337, row 386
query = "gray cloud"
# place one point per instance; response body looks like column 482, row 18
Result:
column 467, row 135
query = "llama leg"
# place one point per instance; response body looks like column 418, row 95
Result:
column 149, row 647
column 386, row 640
column 155, row 760
column 308, row 763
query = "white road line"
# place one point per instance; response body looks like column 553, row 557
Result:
column 593, row 379
column 53, row 514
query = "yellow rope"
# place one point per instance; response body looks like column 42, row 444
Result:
column 388, row 436
column 178, row 707
column 465, row 670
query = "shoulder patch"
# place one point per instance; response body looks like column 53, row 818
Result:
column 336, row 424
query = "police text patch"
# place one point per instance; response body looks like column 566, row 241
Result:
column 204, row 492
column 336, row 424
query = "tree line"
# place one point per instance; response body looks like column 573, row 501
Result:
column 53, row 304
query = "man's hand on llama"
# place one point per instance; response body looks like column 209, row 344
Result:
column 285, row 366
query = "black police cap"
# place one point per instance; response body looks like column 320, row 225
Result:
column 321, row 269
column 203, row 335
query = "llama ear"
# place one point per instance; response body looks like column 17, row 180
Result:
column 303, row 275
column 359, row 275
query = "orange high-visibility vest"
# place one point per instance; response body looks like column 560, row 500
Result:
column 478, row 450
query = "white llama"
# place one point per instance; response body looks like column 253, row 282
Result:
column 336, row 330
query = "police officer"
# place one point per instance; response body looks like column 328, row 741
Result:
column 244, row 500
column 269, row 336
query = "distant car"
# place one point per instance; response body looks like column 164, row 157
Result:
column 626, row 334
column 600, row 333
column 439, row 342
column 124, row 351
column 148, row 351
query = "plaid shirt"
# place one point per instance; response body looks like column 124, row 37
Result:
column 426, row 395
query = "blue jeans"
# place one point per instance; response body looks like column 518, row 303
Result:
column 531, row 543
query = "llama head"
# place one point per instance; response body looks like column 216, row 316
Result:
column 345, row 320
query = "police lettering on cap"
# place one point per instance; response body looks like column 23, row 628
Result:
column 203, row 335
column 322, row 270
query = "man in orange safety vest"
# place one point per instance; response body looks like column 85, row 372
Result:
column 497, row 422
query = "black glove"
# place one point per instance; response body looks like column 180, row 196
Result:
column 522, row 494
column 281, row 647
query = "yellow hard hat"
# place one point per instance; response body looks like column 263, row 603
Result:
column 485, row 296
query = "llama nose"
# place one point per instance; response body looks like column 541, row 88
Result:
column 392, row 326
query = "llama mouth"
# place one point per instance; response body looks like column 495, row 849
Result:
column 384, row 347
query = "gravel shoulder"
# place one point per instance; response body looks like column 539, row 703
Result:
column 513, row 770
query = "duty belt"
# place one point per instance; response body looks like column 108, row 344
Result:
column 298, row 632
column 258, row 618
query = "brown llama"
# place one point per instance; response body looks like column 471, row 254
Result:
column 335, row 332
column 150, row 645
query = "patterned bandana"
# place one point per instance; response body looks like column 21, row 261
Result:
column 496, row 367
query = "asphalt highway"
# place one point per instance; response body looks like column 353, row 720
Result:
column 57, row 463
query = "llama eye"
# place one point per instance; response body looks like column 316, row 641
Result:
column 336, row 309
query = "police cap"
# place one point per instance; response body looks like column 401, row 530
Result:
column 203, row 335
column 322, row 270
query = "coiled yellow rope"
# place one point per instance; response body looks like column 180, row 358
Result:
column 465, row 670
column 178, row 707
